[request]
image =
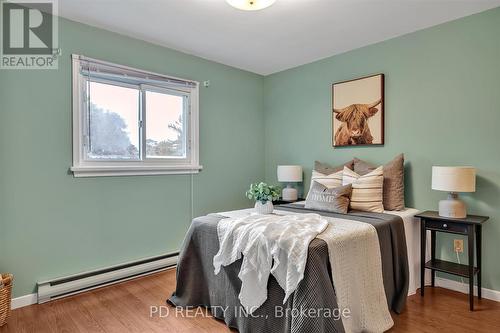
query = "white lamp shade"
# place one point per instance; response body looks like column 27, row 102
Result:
column 289, row 173
column 454, row 179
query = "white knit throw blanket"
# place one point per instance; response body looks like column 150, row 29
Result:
column 262, row 240
column 354, row 252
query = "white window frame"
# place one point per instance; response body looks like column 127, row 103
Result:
column 83, row 167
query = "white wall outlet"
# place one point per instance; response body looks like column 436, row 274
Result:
column 206, row 83
column 458, row 245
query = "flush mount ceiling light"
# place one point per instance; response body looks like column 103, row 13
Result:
column 250, row 4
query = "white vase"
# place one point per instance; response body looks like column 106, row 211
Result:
column 264, row 208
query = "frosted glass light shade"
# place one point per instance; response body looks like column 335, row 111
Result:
column 250, row 4
column 289, row 173
column 454, row 179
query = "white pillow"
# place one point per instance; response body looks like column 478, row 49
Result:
column 367, row 190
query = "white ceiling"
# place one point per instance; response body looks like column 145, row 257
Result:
column 285, row 35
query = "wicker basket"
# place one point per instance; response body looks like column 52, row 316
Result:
column 5, row 298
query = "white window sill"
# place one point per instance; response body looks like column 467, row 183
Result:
column 111, row 171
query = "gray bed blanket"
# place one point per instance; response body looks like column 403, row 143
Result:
column 197, row 285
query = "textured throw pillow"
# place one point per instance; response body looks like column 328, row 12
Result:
column 327, row 169
column 327, row 199
column 394, row 188
column 366, row 190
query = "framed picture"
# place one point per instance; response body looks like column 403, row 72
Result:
column 358, row 112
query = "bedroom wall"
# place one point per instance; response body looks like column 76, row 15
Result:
column 52, row 224
column 442, row 108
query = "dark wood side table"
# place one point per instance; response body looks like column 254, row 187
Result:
column 470, row 226
column 283, row 202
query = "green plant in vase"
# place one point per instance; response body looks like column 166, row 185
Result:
column 264, row 195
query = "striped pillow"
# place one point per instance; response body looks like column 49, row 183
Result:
column 330, row 181
column 367, row 190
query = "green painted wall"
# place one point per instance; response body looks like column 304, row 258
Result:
column 442, row 108
column 52, row 224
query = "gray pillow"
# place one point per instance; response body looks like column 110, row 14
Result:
column 334, row 200
column 327, row 169
column 394, row 188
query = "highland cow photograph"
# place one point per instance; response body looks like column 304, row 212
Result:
column 358, row 111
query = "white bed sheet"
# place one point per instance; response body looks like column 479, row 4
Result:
column 412, row 233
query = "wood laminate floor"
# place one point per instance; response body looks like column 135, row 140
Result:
column 125, row 307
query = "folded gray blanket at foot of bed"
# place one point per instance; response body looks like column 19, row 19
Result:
column 312, row 307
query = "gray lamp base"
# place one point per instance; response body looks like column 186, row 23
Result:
column 289, row 193
column 452, row 207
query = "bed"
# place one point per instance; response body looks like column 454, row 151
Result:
column 197, row 285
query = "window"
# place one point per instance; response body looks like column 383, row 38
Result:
column 132, row 122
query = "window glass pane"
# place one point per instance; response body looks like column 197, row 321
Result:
column 165, row 126
column 113, row 122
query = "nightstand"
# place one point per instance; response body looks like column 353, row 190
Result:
column 282, row 202
column 469, row 226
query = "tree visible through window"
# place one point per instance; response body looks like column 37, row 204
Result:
column 168, row 147
column 113, row 121
column 108, row 135
column 165, row 135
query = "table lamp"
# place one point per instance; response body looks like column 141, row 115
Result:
column 289, row 174
column 453, row 180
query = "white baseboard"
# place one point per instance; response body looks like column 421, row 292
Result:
column 30, row 299
column 22, row 301
column 490, row 294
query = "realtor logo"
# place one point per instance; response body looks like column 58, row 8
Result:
column 29, row 34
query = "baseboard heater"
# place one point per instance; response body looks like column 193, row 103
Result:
column 78, row 283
